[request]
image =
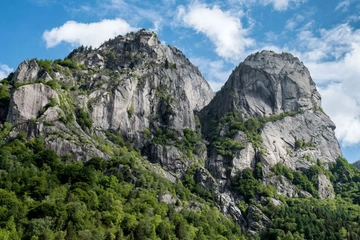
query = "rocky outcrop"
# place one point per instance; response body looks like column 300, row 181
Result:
column 357, row 164
column 28, row 101
column 267, row 83
column 269, row 112
column 325, row 188
column 29, row 71
column 300, row 141
column 132, row 85
column 284, row 187
column 133, row 91
column 256, row 219
column 277, row 90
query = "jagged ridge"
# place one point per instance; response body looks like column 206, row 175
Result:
column 136, row 92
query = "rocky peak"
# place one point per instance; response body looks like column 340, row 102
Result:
column 134, row 91
column 269, row 112
column 267, row 83
column 131, row 85
column 29, row 71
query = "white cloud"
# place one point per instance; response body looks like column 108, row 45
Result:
column 279, row 5
column 282, row 5
column 87, row 34
column 216, row 72
column 333, row 59
column 222, row 28
column 344, row 111
column 332, row 44
column 5, row 70
column 292, row 23
column 343, row 5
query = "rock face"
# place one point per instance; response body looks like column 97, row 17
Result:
column 27, row 101
column 313, row 129
column 29, row 71
column 132, row 85
column 133, row 91
column 277, row 91
column 266, row 84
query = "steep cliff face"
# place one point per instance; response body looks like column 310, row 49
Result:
column 270, row 113
column 265, row 125
column 132, row 85
column 265, row 84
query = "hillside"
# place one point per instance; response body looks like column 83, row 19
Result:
column 129, row 141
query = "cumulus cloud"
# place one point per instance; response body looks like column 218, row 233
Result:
column 5, row 70
column 344, row 111
column 87, row 34
column 282, row 5
column 343, row 5
column 333, row 60
column 216, row 72
column 223, row 29
column 292, row 23
column 331, row 44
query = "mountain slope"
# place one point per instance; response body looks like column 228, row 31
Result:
column 271, row 115
column 132, row 85
column 262, row 140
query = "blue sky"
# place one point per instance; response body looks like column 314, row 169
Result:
column 215, row 35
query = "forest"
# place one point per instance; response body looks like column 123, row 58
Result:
column 43, row 196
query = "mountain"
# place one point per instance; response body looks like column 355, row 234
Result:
column 132, row 85
column 271, row 106
column 129, row 141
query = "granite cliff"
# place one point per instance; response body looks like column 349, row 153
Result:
column 270, row 104
column 133, row 91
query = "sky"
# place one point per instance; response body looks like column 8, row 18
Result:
column 215, row 35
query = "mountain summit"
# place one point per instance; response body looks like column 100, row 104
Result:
column 269, row 112
column 266, row 84
column 259, row 140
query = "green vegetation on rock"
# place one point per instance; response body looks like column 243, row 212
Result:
column 43, row 196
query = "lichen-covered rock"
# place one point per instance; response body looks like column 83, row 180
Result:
column 277, row 90
column 256, row 219
column 27, row 101
column 325, row 188
column 267, row 83
column 29, row 71
column 314, row 133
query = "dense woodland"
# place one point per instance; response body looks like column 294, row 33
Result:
column 46, row 196
column 43, row 196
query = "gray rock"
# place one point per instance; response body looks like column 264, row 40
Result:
column 314, row 127
column 357, row 164
column 132, row 84
column 28, row 100
column 167, row 198
column 325, row 188
column 169, row 157
column 228, row 206
column 267, row 83
column 29, row 71
column 256, row 219
column 283, row 186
